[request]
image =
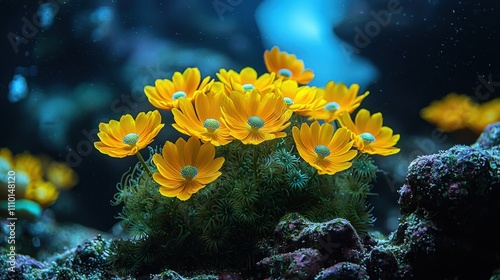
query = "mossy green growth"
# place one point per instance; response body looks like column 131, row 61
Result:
column 219, row 226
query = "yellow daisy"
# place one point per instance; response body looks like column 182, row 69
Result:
column 325, row 149
column 287, row 66
column 128, row 136
column 484, row 115
column 369, row 134
column 61, row 175
column 166, row 93
column 42, row 192
column 253, row 119
column 203, row 120
column 217, row 87
column 29, row 178
column 301, row 100
column 186, row 167
column 28, row 170
column 246, row 80
column 338, row 99
column 451, row 113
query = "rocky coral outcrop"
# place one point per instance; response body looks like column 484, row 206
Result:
column 449, row 204
column 300, row 249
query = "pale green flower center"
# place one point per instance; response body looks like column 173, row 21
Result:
column 285, row 72
column 322, row 151
column 131, row 138
column 211, row 124
column 189, row 172
column 178, row 94
column 288, row 101
column 255, row 122
column 367, row 137
column 247, row 87
column 332, row 106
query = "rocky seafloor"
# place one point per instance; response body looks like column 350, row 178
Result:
column 450, row 207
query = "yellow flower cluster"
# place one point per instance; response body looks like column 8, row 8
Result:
column 36, row 179
column 459, row 111
column 250, row 108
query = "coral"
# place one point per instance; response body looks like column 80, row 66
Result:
column 335, row 240
column 448, row 202
column 37, row 238
column 489, row 138
column 300, row 264
column 461, row 180
column 88, row 260
column 381, row 263
column 85, row 261
column 343, row 271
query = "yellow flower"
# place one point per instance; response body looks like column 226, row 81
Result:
column 28, row 170
column 301, row 100
column 253, row 119
column 323, row 148
column 369, row 134
column 217, row 87
column 186, row 167
column 166, row 93
column 128, row 136
column 484, row 115
column 61, row 175
column 29, row 178
column 451, row 113
column 42, row 192
column 246, row 80
column 339, row 99
column 287, row 66
column 203, row 120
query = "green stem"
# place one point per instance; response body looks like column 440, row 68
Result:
column 141, row 159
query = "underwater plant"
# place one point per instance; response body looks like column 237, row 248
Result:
column 256, row 151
